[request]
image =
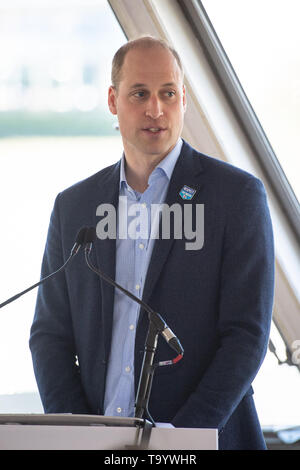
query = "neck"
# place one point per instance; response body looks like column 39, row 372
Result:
column 137, row 175
column 139, row 168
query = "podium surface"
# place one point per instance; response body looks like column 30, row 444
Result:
column 85, row 432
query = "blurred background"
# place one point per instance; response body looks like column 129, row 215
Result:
column 55, row 129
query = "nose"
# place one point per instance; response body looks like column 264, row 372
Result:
column 154, row 108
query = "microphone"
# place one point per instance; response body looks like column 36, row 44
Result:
column 76, row 247
column 156, row 319
column 79, row 241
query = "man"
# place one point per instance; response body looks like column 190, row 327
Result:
column 87, row 339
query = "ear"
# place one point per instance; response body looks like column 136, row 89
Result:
column 184, row 98
column 112, row 100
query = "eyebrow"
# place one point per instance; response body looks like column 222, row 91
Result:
column 142, row 85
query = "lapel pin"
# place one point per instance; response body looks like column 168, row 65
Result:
column 187, row 193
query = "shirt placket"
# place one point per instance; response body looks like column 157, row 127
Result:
column 136, row 289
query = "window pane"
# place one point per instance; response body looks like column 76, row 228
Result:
column 261, row 39
column 55, row 129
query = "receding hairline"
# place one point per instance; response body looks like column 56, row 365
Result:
column 143, row 42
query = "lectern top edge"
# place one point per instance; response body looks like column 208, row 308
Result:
column 67, row 419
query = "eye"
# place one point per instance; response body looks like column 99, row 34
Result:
column 139, row 94
column 169, row 94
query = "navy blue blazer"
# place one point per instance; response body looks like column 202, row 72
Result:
column 218, row 300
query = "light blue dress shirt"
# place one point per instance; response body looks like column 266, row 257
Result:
column 132, row 258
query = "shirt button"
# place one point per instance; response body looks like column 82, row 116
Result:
column 119, row 410
column 144, row 205
column 137, row 286
column 141, row 246
column 131, row 327
column 127, row 369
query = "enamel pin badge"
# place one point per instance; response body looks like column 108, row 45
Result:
column 187, row 193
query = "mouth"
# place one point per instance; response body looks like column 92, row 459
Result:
column 154, row 130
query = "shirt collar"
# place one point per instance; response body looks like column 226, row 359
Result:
column 166, row 165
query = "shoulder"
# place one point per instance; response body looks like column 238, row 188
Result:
column 224, row 177
column 76, row 206
column 86, row 188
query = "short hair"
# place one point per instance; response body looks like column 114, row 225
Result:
column 140, row 42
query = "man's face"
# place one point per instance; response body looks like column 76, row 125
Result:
column 149, row 102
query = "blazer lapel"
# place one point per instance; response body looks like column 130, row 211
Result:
column 105, row 251
column 186, row 173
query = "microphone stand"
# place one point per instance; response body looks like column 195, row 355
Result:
column 147, row 372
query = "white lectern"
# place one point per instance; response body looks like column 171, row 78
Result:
column 93, row 432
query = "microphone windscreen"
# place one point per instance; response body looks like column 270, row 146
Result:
column 80, row 238
column 90, row 235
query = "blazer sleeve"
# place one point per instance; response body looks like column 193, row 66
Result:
column 51, row 338
column 245, row 311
